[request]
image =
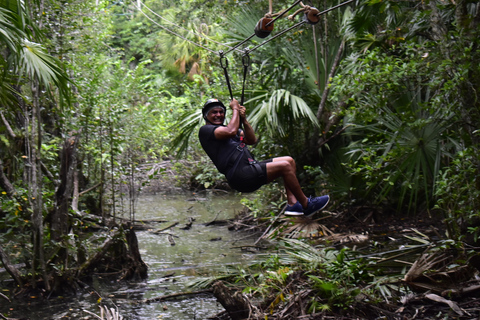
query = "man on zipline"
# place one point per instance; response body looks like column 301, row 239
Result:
column 226, row 147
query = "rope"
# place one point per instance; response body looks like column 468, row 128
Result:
column 280, row 14
column 299, row 24
column 180, row 27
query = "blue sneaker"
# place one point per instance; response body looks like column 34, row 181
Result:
column 316, row 204
column 294, row 210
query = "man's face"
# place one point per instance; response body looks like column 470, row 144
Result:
column 216, row 115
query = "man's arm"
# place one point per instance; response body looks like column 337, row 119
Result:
column 231, row 129
column 249, row 134
column 249, row 137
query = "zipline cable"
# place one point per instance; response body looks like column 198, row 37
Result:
column 278, row 35
column 335, row 7
column 269, row 23
column 180, row 27
column 299, row 24
column 173, row 32
column 238, row 45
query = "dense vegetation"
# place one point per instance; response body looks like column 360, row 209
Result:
column 378, row 103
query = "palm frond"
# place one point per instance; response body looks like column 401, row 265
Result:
column 34, row 61
column 281, row 111
column 186, row 126
column 305, row 253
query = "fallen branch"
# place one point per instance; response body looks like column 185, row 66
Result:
column 166, row 228
column 89, row 189
column 213, row 221
column 450, row 303
column 177, row 295
column 5, row 297
column 270, row 226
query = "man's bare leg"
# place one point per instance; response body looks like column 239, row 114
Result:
column 285, row 167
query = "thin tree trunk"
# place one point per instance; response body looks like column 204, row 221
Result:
column 5, row 184
column 328, row 121
column 7, row 126
column 76, row 192
column 330, row 76
column 35, row 184
column 10, row 268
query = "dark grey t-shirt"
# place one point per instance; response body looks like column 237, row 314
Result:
column 219, row 151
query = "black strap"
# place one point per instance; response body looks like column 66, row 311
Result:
column 237, row 160
column 225, row 66
column 246, row 64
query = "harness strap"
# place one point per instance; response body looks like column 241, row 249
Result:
column 246, row 64
column 238, row 158
column 225, row 66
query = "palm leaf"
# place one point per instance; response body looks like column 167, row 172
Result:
column 188, row 124
column 281, row 111
column 35, row 62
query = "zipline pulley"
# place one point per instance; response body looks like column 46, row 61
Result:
column 311, row 15
column 264, row 27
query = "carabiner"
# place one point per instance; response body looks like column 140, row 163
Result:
column 246, row 58
column 222, row 56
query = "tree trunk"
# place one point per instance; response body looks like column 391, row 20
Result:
column 59, row 220
column 10, row 268
column 138, row 267
column 328, row 121
column 235, row 304
column 5, row 184
column 34, row 141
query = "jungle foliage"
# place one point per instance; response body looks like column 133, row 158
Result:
column 378, row 103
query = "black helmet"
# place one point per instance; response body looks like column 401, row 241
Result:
column 211, row 103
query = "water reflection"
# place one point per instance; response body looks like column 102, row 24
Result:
column 199, row 250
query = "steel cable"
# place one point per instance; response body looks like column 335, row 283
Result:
column 180, row 27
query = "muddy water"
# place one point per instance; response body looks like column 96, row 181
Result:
column 175, row 258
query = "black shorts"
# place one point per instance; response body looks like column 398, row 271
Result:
column 249, row 177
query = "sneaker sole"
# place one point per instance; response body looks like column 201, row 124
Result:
column 293, row 213
column 311, row 214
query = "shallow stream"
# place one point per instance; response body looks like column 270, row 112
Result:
column 198, row 251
